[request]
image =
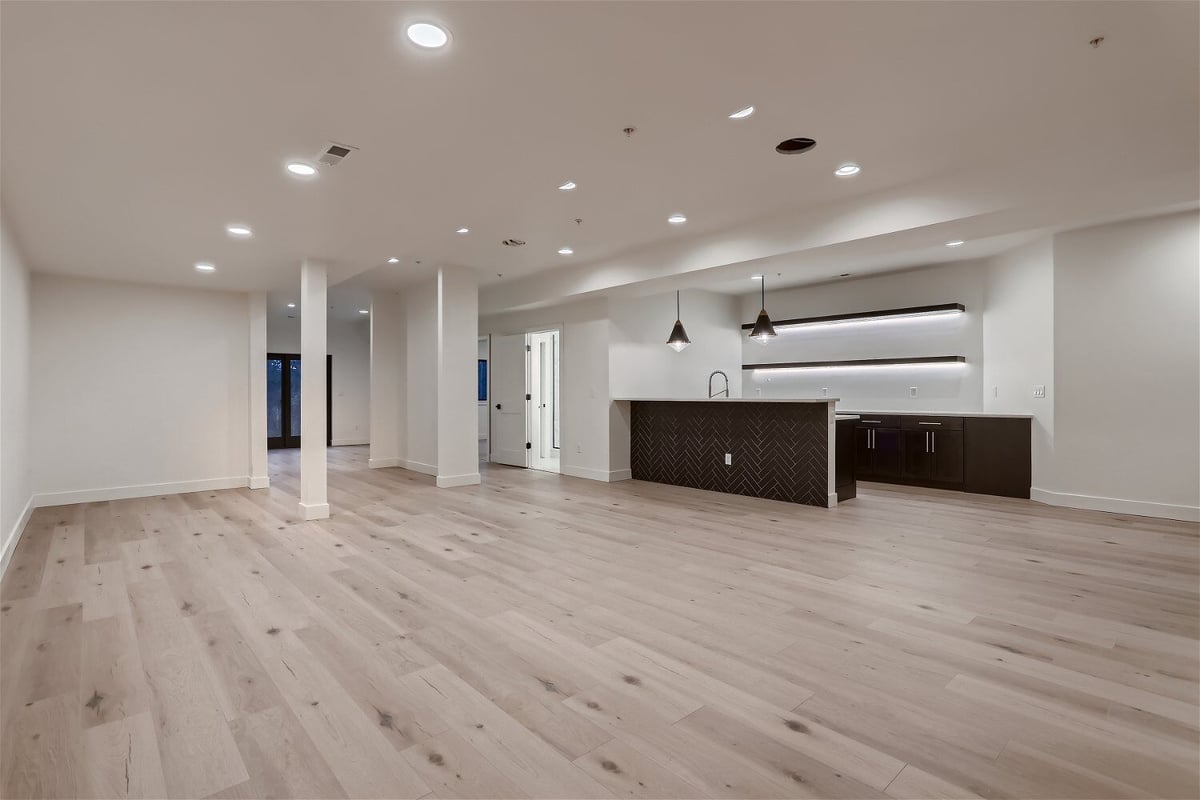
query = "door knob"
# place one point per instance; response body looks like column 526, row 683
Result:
column 497, row 406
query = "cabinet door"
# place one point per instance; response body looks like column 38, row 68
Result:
column 947, row 447
column 888, row 453
column 918, row 460
column 862, row 452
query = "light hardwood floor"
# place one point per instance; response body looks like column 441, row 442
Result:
column 542, row 636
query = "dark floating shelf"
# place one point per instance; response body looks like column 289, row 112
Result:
column 859, row 316
column 861, row 362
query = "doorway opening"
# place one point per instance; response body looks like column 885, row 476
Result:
column 543, row 425
column 525, row 400
column 283, row 400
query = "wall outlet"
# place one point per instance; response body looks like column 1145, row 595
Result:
column 758, row 391
column 729, row 459
column 1039, row 390
column 825, row 391
column 912, row 391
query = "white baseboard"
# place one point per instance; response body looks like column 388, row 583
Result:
column 260, row 482
column 1139, row 508
column 348, row 442
column 145, row 490
column 12, row 537
column 450, row 481
column 381, row 463
column 831, row 500
column 314, row 510
column 605, row 475
column 421, row 467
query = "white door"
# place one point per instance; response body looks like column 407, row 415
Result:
column 509, row 367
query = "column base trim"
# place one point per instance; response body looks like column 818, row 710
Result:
column 382, row 463
column 421, row 467
column 1115, row 505
column 451, row 481
column 314, row 510
column 260, row 482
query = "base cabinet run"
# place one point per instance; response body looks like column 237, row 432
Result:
column 984, row 455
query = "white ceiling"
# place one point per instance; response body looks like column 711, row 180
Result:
column 133, row 132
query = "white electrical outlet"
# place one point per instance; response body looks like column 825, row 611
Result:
column 729, row 459
column 912, row 391
column 758, row 391
column 825, row 391
column 1039, row 390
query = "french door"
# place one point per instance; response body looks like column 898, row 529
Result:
column 283, row 400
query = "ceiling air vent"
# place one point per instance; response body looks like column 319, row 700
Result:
column 334, row 153
column 513, row 243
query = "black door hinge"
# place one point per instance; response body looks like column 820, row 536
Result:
column 528, row 397
column 529, row 445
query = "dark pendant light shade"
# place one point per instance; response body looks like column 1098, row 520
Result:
column 763, row 331
column 678, row 338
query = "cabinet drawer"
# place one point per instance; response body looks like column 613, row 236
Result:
column 879, row 420
column 923, row 423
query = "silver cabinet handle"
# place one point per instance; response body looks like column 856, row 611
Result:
column 875, row 421
column 926, row 441
column 932, row 442
column 929, row 423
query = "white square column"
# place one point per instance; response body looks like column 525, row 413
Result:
column 259, row 478
column 314, row 490
column 457, row 374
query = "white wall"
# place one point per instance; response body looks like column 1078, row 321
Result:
column 15, row 485
column 1127, row 368
column 421, row 376
column 1018, row 342
column 349, row 342
column 388, row 380
column 641, row 364
column 136, row 390
column 940, row 388
column 587, row 413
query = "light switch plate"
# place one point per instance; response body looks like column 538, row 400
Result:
column 912, row 391
column 1039, row 390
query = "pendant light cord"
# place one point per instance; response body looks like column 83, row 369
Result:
column 676, row 305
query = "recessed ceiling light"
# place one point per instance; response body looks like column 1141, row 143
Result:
column 955, row 243
column 463, row 230
column 363, row 311
column 424, row 34
column 566, row 187
column 393, row 261
column 756, row 277
column 566, row 251
column 240, row 231
column 202, row 266
column 743, row 113
column 847, row 169
column 301, row 169
column 291, row 305
column 677, row 219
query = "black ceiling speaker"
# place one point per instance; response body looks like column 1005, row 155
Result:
column 799, row 144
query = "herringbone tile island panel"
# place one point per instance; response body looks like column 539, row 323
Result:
column 543, row 636
column 780, row 450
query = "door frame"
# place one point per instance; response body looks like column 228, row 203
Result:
column 286, row 440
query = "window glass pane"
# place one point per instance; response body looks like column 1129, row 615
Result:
column 294, row 374
column 274, row 397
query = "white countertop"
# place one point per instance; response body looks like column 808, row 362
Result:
column 945, row 414
column 840, row 417
column 729, row 399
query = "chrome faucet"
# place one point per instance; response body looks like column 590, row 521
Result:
column 715, row 373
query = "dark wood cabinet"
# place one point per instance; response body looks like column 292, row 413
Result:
column 844, row 459
column 986, row 455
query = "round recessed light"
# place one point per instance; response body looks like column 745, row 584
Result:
column 291, row 305
column 847, row 169
column 567, row 187
column 301, row 169
column 743, row 113
column 566, row 251
column 203, row 266
column 239, row 231
column 798, row 144
column 463, row 230
column 393, row 260
column 677, row 219
column 363, row 311
column 955, row 243
column 427, row 35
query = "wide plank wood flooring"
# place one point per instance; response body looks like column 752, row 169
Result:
column 542, row 636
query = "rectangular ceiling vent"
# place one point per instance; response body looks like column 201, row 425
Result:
column 335, row 153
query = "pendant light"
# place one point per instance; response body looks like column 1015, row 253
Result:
column 763, row 331
column 678, row 338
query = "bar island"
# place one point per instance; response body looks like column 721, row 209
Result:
column 780, row 449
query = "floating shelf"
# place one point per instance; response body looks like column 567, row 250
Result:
column 866, row 316
column 860, row 362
